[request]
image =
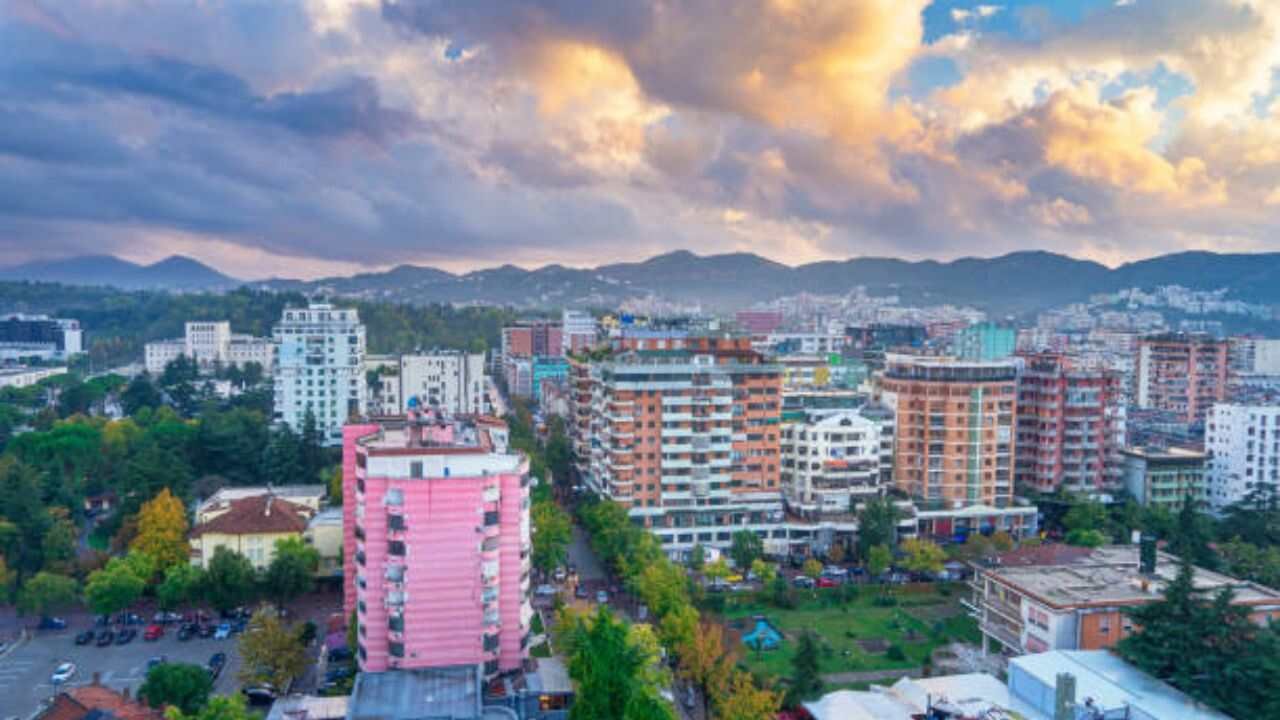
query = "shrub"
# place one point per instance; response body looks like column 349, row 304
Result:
column 895, row 653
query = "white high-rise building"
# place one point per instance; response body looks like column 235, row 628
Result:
column 833, row 458
column 1243, row 443
column 319, row 367
column 450, row 381
column 578, row 331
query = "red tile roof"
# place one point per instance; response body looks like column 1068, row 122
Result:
column 76, row 703
column 258, row 515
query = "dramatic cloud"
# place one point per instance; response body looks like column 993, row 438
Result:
column 310, row 136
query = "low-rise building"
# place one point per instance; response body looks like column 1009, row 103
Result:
column 210, row 345
column 1059, row 597
column 1164, row 477
column 250, row 526
column 311, row 497
column 22, row 376
column 324, row 533
column 96, row 701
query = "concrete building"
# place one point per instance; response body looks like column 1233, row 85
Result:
column 311, row 497
column 955, row 429
column 833, row 459
column 758, row 322
column 382, row 385
column 1243, row 443
column 517, row 373
column 39, row 337
column 985, row 341
column 546, row 371
column 683, row 431
column 320, row 368
column 1059, row 597
column 436, row 543
column 449, row 380
column 532, row 338
column 577, row 331
column 250, row 526
column 324, row 533
column 22, row 376
column 1254, row 355
column 1164, row 477
column 1071, row 426
column 210, row 344
column 1182, row 373
column 819, row 371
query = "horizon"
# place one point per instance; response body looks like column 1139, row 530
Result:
column 312, row 138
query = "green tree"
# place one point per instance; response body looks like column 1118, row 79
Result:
column 806, row 678
column 140, row 393
column 878, row 560
column 923, row 556
column 812, row 568
column 292, row 571
column 181, row 585
column 59, row 543
column 765, row 572
column 1193, row 535
column 697, row 558
column 1086, row 515
column 877, row 525
column 219, row 707
column 746, row 547
column 113, row 588
column 707, row 664
column 47, row 592
column 282, row 460
column 180, row 685
column 1085, row 538
column 311, row 450
column 604, row 666
column 718, row 569
column 552, row 532
column 270, row 652
column 744, row 700
column 229, row 579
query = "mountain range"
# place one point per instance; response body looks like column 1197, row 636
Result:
column 1015, row 283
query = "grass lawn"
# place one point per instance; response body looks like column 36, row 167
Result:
column 535, row 625
column 922, row 620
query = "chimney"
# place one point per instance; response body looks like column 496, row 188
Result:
column 97, row 679
column 267, row 512
column 124, row 692
column 1064, row 700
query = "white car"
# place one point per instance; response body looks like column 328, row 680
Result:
column 545, row 590
column 63, row 673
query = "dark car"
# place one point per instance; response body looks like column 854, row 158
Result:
column 339, row 654
column 216, row 663
column 105, row 638
column 339, row 672
column 186, row 632
column 126, row 636
column 52, row 623
column 207, row 631
column 156, row 660
column 84, row 638
column 581, row 593
column 262, row 694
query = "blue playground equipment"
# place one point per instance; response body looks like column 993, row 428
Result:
column 764, row 637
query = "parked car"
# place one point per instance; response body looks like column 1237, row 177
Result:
column 105, row 638
column 216, row 663
column 207, row 630
column 155, row 660
column 153, row 633
column 546, row 590
column 126, row 636
column 339, row 654
column 826, row 582
column 602, row 597
column 262, row 694
column 52, row 623
column 63, row 673
column 223, row 632
column 339, row 672
column 84, row 638
column 803, row 581
column 186, row 632
column 581, row 593
column 165, row 618
column 239, row 626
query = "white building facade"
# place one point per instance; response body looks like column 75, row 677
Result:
column 1243, row 444
column 211, row 344
column 451, row 381
column 319, row 367
column 832, row 459
column 578, row 331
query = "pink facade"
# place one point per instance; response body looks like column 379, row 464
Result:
column 437, row 545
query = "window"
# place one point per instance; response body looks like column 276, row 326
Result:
column 415, row 469
column 396, row 548
column 394, row 522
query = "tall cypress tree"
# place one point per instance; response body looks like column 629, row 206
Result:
column 806, row 679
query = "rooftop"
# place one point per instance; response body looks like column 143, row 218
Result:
column 970, row 695
column 1109, row 576
column 429, row 430
column 82, row 702
column 1148, row 452
column 1112, row 684
column 309, row 707
column 257, row 515
column 451, row 693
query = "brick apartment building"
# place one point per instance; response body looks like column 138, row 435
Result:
column 1182, row 373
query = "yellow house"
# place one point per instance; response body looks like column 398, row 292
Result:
column 250, row 526
column 324, row 533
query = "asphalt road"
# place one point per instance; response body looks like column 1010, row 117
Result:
column 590, row 569
column 24, row 672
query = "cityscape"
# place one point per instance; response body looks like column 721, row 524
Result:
column 640, row 360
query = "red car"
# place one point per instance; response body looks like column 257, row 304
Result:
column 154, row 632
column 826, row 582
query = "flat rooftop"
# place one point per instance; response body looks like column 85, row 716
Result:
column 1109, row 576
column 427, row 431
column 446, row 693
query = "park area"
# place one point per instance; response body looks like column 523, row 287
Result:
column 858, row 633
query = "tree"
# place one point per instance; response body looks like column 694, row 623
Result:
column 806, row 679
column 745, row 701
column 552, row 532
column 1085, row 538
column 8, row 580
column 219, row 707
column 877, row 525
column 181, row 685
column 924, row 556
column 604, row 665
column 1086, row 515
column 140, row 393
column 747, row 546
column 311, row 448
column 292, row 571
column 282, row 462
column 162, row 531
column 180, row 585
column 718, row 569
column 154, row 468
column 811, row 568
column 46, row 592
column 1193, row 535
column 879, row 560
column 113, row 588
column 333, row 480
column 229, row 579
column 697, row 558
column 271, row 652
column 781, row 594
column 764, row 572
column 705, row 663
column 59, row 542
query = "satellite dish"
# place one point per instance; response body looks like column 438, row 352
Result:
column 413, row 402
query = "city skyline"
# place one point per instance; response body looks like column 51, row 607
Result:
column 264, row 139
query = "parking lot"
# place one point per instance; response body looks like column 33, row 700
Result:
column 24, row 672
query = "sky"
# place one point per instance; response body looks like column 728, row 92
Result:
column 302, row 138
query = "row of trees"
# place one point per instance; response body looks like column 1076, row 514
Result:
column 698, row 647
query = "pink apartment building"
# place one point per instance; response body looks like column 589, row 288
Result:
column 436, row 538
